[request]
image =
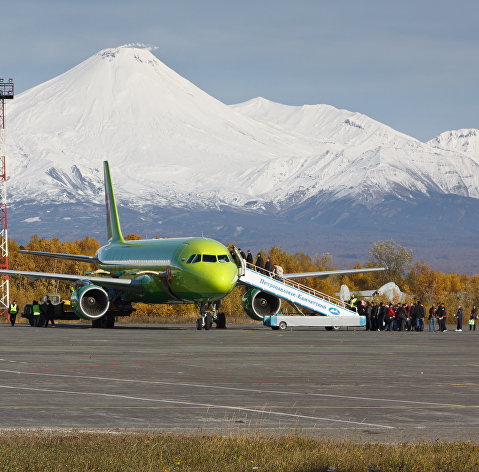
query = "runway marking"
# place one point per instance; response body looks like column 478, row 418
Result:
column 238, row 389
column 194, row 404
column 257, row 407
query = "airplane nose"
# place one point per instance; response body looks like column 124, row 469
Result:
column 223, row 282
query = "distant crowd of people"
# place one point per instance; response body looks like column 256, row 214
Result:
column 405, row 317
column 265, row 267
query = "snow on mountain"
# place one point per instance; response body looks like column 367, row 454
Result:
column 354, row 155
column 165, row 139
column 462, row 140
column 170, row 143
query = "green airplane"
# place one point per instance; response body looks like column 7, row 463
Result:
column 193, row 270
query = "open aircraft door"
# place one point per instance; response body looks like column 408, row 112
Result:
column 239, row 261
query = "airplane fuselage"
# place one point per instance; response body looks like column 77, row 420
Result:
column 176, row 270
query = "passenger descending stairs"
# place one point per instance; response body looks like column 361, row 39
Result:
column 295, row 292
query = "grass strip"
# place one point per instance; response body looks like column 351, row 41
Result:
column 80, row 451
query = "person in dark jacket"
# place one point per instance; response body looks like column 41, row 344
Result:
column 381, row 314
column 420, row 312
column 473, row 318
column 374, row 317
column 268, row 267
column 259, row 263
column 249, row 257
column 442, row 317
column 412, row 317
column 459, row 316
column 402, row 317
column 242, row 254
column 49, row 313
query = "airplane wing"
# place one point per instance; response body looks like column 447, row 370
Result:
column 106, row 282
column 327, row 273
column 58, row 255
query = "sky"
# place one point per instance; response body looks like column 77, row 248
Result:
column 411, row 64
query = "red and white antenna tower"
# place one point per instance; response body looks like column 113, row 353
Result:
column 6, row 93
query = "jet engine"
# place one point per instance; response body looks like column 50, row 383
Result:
column 257, row 304
column 90, row 302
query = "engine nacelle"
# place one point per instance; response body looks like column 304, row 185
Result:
column 90, row 302
column 257, row 304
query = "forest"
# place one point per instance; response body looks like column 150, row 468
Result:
column 415, row 278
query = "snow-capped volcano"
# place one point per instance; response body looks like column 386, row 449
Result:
column 167, row 141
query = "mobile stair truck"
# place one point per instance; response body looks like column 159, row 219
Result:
column 263, row 303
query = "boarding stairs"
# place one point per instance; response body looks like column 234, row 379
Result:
column 295, row 293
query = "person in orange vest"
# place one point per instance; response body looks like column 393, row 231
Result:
column 12, row 312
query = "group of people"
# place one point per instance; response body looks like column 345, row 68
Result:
column 405, row 317
column 265, row 267
column 40, row 316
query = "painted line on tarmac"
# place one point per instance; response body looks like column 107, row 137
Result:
column 236, row 389
column 204, row 405
column 257, row 407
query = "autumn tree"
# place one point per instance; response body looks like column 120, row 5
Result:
column 395, row 257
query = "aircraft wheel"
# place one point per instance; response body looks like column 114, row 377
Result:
column 208, row 321
column 97, row 323
column 282, row 325
column 199, row 324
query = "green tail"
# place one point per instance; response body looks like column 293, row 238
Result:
column 112, row 221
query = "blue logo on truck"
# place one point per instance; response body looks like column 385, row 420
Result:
column 334, row 311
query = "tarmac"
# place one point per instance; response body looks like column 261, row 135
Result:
column 365, row 386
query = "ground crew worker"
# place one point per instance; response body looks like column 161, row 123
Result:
column 12, row 312
column 353, row 302
column 36, row 313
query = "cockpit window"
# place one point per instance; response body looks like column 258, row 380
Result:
column 223, row 258
column 209, row 258
column 190, row 258
column 197, row 259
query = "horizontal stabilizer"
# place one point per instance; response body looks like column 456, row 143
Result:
column 58, row 255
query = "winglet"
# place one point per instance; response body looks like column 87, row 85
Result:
column 112, row 221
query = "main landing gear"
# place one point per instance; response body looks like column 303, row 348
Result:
column 207, row 318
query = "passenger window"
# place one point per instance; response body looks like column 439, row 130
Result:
column 209, row 258
column 197, row 259
column 190, row 258
column 223, row 258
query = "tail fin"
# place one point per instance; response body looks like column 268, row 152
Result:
column 113, row 224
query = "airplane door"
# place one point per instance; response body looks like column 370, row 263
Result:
column 239, row 261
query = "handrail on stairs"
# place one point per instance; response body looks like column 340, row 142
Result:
column 297, row 285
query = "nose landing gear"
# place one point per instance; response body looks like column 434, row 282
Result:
column 207, row 318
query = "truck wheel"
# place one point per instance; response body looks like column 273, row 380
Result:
column 282, row 325
column 275, row 328
column 332, row 328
